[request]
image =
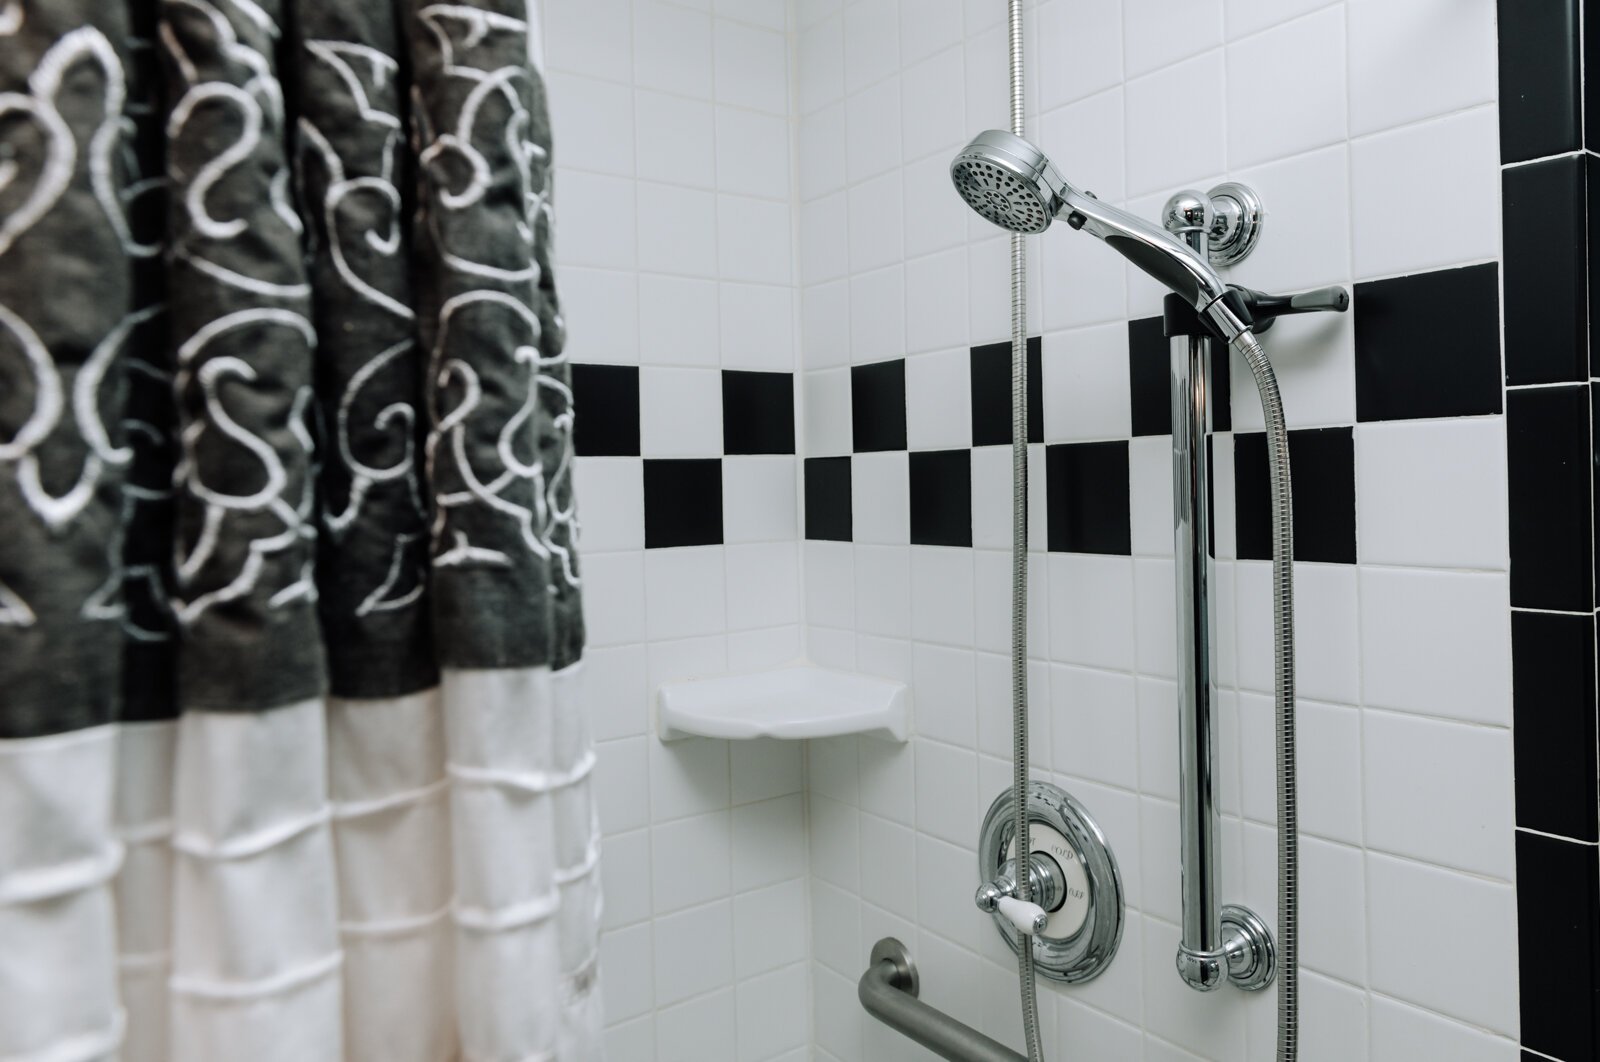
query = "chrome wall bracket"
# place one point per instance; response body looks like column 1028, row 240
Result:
column 1073, row 877
column 1230, row 216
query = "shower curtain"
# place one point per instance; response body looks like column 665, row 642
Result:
column 291, row 766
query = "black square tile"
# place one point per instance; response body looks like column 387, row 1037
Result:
column 1549, row 458
column 605, row 403
column 1558, row 930
column 941, row 498
column 1540, row 112
column 1553, row 688
column 1428, row 345
column 1323, row 482
column 878, row 406
column 1546, row 282
column 1150, row 377
column 828, row 498
column 1594, row 481
column 1086, row 491
column 757, row 412
column 682, row 502
column 991, row 393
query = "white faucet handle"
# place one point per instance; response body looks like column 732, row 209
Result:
column 1029, row 918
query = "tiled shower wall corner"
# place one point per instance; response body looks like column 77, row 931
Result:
column 777, row 210
column 673, row 190
column 1370, row 130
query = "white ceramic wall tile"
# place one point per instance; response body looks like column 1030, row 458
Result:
column 1419, row 953
column 1439, row 791
column 622, row 784
column 936, row 302
column 1423, row 494
column 772, row 1015
column 676, row 139
column 770, row 14
column 688, row 777
column 1437, row 643
column 757, row 327
column 676, row 56
column 988, row 77
column 752, row 67
column 836, row 927
column 752, row 153
column 1094, row 721
column 1329, row 764
column 765, row 768
column 928, row 26
column 613, row 598
column 701, row 1030
column 942, row 608
column 934, row 106
column 879, row 498
column 830, row 584
column 1332, row 906
column 871, row 42
column 821, row 64
column 680, row 412
column 1091, row 610
column 597, row 224
column 589, row 37
column 944, row 900
column 677, row 230
column 939, row 396
column 677, row 320
column 1091, row 130
column 763, row 585
column 754, row 240
column 935, row 217
column 630, row 993
column 1163, row 153
column 1286, row 89
column 877, row 315
column 1159, row 33
column 1411, row 187
column 946, row 788
column 684, row 592
column 824, row 239
column 1085, row 389
column 1080, row 286
column 1242, row 17
column 872, row 131
column 1091, row 68
column 602, row 306
column 1401, row 1031
column 835, row 842
column 883, row 590
column 614, row 691
column 1313, row 357
column 592, row 120
column 1307, row 198
column 769, row 928
column 624, row 867
column 826, row 403
column 825, row 325
column 768, row 842
column 820, row 152
column 1328, row 651
column 887, row 779
column 690, row 862
column 1420, row 59
column 1150, row 494
column 611, row 503
column 693, row 952
column 875, row 239
column 1155, row 606
column 944, row 694
column 758, row 499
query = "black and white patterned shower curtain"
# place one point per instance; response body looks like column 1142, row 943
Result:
column 291, row 765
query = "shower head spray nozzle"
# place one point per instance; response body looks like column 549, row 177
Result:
column 1009, row 182
column 1014, row 185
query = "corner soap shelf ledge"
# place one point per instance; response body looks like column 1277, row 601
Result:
column 796, row 702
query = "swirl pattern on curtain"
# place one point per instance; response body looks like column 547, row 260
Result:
column 291, row 765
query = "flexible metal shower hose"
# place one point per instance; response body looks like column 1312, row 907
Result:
column 1019, row 563
column 1283, row 695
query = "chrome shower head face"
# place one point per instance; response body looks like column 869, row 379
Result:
column 1008, row 181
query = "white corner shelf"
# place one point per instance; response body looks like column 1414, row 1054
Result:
column 796, row 702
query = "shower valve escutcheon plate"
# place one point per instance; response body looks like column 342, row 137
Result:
column 1073, row 877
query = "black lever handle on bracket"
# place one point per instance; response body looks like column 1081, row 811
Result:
column 1266, row 308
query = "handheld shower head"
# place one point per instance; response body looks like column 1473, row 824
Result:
column 1009, row 182
column 1014, row 185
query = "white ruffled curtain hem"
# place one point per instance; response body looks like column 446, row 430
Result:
column 413, row 879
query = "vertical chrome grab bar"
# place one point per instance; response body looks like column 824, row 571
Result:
column 888, row 991
column 1201, row 958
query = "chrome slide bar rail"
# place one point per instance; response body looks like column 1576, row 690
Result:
column 888, row 991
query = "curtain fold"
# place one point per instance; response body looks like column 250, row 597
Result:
column 291, row 763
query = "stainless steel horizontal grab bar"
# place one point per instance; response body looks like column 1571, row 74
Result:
column 888, row 991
